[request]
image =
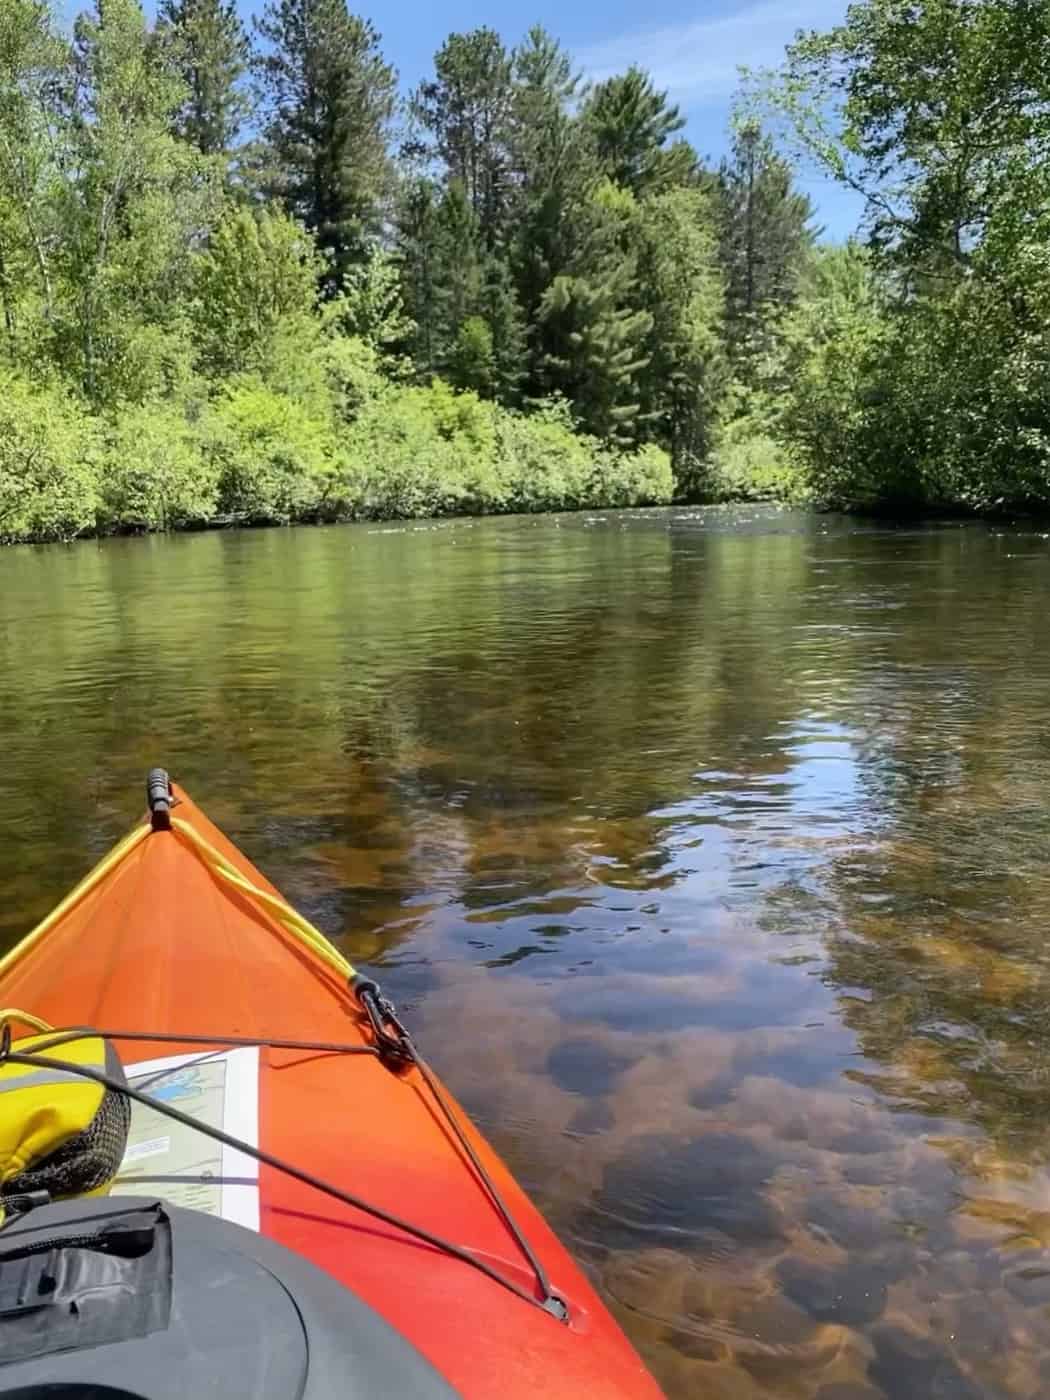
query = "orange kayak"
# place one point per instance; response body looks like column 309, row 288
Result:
column 333, row 1146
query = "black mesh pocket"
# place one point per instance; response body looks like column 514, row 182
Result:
column 89, row 1160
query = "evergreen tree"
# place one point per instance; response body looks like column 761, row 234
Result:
column 544, row 87
column 556, row 175
column 631, row 122
column 466, row 320
column 502, row 314
column 593, row 330
column 416, row 235
column 458, row 259
column 466, row 108
column 211, row 53
column 766, row 234
column 329, row 97
column 676, row 166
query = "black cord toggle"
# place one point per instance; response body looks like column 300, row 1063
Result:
column 160, row 799
column 392, row 1038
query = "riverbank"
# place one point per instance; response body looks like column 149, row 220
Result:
column 377, row 449
column 252, row 454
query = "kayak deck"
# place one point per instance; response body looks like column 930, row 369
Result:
column 163, row 944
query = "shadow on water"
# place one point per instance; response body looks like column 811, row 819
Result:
column 707, row 851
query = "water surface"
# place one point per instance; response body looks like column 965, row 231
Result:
column 706, row 852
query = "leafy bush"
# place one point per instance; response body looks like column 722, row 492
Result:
column 549, row 466
column 432, row 451
column 49, row 463
column 639, row 478
column 936, row 401
column 753, row 467
column 349, row 370
column 346, row 444
column 419, row 451
column 257, row 277
column 156, row 476
column 271, row 458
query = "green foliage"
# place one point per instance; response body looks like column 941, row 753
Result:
column 941, row 111
column 48, row 464
column 372, row 308
column 753, row 467
column 432, row 451
column 257, row 277
column 917, row 376
column 501, row 314
column 31, row 56
column 472, row 362
column 348, row 373
column 541, row 300
column 466, row 110
column 520, row 244
column 130, row 199
column 594, row 331
column 766, row 239
column 154, row 474
column 684, row 382
column 420, row 269
column 273, row 459
column 421, row 451
column 832, row 344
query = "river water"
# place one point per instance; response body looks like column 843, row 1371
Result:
column 705, row 851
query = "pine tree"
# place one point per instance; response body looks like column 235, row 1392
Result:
column 466, row 109
column 766, row 235
column 330, row 98
column 544, row 86
column 467, row 323
column 592, row 329
column 211, row 54
column 556, row 173
column 416, row 233
column 458, row 259
column 598, row 350
column 502, row 313
column 439, row 250
column 631, row 123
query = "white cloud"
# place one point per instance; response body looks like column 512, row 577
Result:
column 698, row 61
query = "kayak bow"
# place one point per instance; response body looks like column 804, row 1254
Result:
column 277, row 1092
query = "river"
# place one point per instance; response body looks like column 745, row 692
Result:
column 704, row 850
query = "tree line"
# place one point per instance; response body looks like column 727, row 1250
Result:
column 243, row 278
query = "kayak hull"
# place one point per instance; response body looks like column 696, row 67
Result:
column 162, row 945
